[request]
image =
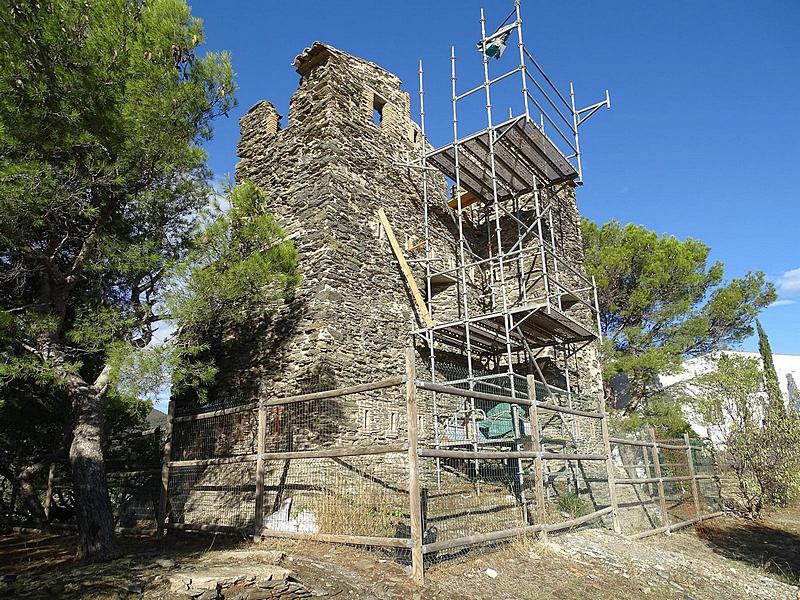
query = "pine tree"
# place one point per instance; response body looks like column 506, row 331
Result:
column 662, row 302
column 104, row 107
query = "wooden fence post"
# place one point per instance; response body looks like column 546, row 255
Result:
column 690, row 461
column 648, row 472
column 538, row 464
column 161, row 517
column 260, row 441
column 612, row 486
column 520, row 475
column 414, row 497
column 657, row 464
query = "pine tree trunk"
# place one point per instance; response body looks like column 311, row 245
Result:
column 96, row 539
column 22, row 486
column 33, row 505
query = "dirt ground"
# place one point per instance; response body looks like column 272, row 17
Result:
column 724, row 559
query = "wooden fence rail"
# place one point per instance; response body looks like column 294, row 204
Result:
column 531, row 448
column 651, row 458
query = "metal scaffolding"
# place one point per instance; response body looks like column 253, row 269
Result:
column 518, row 294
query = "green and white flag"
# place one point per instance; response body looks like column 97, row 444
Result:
column 496, row 43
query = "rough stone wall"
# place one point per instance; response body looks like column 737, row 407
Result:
column 326, row 174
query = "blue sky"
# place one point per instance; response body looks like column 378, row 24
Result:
column 702, row 140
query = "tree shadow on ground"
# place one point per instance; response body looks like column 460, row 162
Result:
column 45, row 566
column 774, row 549
column 20, row 552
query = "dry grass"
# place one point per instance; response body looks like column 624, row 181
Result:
column 366, row 513
column 527, row 547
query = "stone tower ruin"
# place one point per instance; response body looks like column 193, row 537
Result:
column 400, row 244
column 345, row 153
column 434, row 382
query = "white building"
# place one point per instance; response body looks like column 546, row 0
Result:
column 786, row 365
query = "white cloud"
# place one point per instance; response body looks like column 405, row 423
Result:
column 783, row 302
column 789, row 283
column 788, row 288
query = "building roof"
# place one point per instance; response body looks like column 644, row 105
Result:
column 155, row 418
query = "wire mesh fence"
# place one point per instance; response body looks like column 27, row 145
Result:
column 421, row 469
column 465, row 497
column 134, row 498
column 218, row 436
column 663, row 484
column 508, row 457
column 212, row 496
column 346, row 495
column 321, row 462
column 193, row 406
column 424, row 470
column 428, row 470
column 133, row 470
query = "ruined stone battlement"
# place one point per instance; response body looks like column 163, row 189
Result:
column 343, row 155
column 326, row 174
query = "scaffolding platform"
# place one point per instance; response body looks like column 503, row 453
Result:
column 537, row 324
column 441, row 281
column 510, row 178
column 522, row 153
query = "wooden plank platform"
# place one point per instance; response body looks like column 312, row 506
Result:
column 522, row 154
column 536, row 324
column 467, row 199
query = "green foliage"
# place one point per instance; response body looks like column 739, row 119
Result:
column 771, row 385
column 125, row 413
column 240, row 262
column 572, row 504
column 33, row 416
column 241, row 266
column 661, row 302
column 103, row 107
column 763, row 453
column 661, row 412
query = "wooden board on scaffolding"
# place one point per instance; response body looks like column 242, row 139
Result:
column 539, row 326
column 407, row 273
column 522, row 152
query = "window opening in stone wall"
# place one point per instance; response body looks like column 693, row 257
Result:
column 377, row 109
column 366, row 418
column 393, row 422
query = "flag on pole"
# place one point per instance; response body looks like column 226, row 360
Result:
column 496, row 43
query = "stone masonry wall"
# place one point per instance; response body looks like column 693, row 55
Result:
column 326, row 174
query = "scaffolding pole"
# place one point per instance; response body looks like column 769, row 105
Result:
column 513, row 284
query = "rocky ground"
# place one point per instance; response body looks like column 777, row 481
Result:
column 726, row 559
